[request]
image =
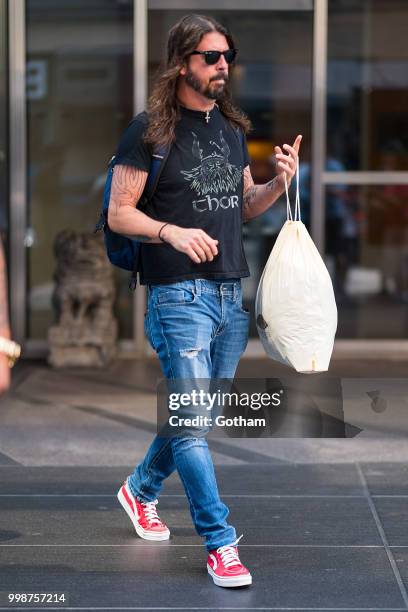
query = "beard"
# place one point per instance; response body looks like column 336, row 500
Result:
column 212, row 91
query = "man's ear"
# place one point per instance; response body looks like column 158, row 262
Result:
column 183, row 69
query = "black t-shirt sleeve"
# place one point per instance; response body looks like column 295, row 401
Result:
column 247, row 159
column 132, row 150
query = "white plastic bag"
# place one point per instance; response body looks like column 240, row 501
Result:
column 296, row 313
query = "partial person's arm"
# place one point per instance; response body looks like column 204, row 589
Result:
column 124, row 218
column 4, row 322
column 258, row 198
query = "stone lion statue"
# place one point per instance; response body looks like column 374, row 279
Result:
column 85, row 333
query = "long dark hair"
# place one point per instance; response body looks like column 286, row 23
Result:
column 163, row 107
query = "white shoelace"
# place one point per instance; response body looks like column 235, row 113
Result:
column 229, row 554
column 151, row 512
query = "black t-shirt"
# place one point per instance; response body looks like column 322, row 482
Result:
column 201, row 185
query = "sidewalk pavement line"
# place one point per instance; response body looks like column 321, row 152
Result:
column 256, row 495
column 272, row 462
column 195, row 545
column 383, row 536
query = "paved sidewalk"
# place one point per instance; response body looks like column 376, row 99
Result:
column 324, row 520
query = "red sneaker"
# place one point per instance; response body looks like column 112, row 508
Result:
column 225, row 568
column 143, row 515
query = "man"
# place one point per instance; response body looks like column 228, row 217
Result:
column 192, row 261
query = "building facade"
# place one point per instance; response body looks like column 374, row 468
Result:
column 74, row 72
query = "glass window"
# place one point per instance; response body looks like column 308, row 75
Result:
column 3, row 125
column 272, row 83
column 367, row 257
column 80, row 99
column 367, row 84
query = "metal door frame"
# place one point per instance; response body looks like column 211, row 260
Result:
column 17, row 168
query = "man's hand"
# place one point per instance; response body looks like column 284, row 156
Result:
column 4, row 373
column 195, row 243
column 288, row 163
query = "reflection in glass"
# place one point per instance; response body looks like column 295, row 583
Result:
column 80, row 99
column 367, row 83
column 367, row 257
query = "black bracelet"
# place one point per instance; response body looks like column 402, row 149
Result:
column 164, row 225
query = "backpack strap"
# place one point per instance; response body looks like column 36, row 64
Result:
column 159, row 158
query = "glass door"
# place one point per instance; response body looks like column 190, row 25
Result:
column 272, row 83
column 79, row 99
column 366, row 178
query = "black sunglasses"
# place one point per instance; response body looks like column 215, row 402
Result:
column 212, row 57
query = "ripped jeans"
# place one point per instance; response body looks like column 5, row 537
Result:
column 198, row 329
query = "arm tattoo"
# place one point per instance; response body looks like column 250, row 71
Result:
column 270, row 185
column 4, row 321
column 258, row 198
column 250, row 195
column 250, row 189
column 127, row 186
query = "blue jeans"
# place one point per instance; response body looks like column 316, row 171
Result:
column 198, row 329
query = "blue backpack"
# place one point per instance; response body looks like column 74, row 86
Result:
column 122, row 251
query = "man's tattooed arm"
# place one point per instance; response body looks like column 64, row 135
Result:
column 123, row 217
column 258, row 198
column 4, row 319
